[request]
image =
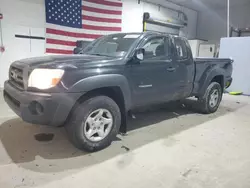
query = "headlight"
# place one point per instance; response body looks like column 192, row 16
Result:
column 45, row 78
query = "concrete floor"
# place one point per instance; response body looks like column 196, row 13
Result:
column 167, row 146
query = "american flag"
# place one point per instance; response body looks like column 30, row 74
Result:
column 70, row 20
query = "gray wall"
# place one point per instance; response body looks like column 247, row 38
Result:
column 212, row 24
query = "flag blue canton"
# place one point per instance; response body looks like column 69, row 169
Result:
column 64, row 12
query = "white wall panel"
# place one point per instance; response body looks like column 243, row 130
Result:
column 229, row 47
column 37, row 46
column 20, row 17
column 15, row 48
column 132, row 16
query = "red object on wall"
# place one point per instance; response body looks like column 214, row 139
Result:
column 2, row 49
column 1, row 16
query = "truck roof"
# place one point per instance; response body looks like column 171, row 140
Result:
column 145, row 33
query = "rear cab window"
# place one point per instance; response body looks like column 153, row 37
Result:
column 181, row 48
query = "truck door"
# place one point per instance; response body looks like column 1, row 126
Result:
column 151, row 79
column 184, row 67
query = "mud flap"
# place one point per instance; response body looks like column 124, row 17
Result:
column 124, row 122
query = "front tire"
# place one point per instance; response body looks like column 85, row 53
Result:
column 94, row 123
column 211, row 100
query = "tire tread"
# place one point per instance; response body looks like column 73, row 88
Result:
column 204, row 100
column 80, row 112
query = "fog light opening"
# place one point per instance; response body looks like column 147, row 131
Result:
column 36, row 108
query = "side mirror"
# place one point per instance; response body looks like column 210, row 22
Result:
column 139, row 54
column 77, row 50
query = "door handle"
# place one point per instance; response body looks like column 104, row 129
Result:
column 171, row 69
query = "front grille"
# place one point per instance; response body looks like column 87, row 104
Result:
column 16, row 77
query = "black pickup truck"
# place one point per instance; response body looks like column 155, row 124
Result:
column 91, row 93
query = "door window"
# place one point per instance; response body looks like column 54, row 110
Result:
column 155, row 47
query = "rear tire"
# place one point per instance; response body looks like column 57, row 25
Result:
column 80, row 130
column 210, row 102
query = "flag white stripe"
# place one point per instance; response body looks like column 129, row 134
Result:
column 78, row 30
column 100, row 15
column 60, row 47
column 100, row 6
column 117, row 1
column 65, row 38
column 105, row 24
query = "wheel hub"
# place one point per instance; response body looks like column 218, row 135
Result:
column 98, row 125
column 214, row 98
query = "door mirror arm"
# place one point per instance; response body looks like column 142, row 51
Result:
column 138, row 56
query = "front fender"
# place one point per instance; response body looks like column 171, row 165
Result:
column 100, row 81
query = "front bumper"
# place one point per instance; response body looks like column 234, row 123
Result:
column 40, row 108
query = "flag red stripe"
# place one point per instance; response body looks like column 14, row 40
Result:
column 101, row 28
column 72, row 34
column 96, row 19
column 58, row 51
column 60, row 42
column 109, row 3
column 103, row 11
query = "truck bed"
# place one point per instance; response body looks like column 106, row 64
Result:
column 205, row 59
column 206, row 66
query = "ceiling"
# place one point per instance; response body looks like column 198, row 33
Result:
column 201, row 5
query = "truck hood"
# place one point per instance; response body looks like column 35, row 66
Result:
column 68, row 61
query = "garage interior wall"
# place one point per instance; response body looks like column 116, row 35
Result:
column 27, row 17
column 212, row 24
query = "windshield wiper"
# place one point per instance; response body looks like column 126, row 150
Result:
column 97, row 54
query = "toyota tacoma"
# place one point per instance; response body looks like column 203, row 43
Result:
column 92, row 93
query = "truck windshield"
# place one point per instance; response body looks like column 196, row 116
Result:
column 116, row 45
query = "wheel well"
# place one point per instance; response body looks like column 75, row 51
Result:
column 114, row 93
column 219, row 79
